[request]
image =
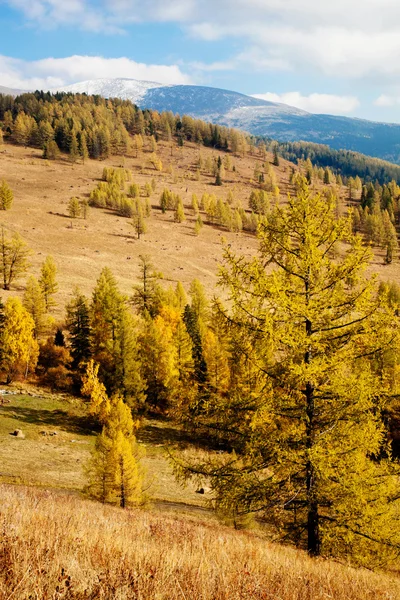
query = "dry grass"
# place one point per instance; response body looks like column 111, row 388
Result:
column 57, row 546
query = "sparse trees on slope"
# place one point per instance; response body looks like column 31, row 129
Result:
column 305, row 418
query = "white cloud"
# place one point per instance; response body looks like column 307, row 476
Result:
column 315, row 103
column 355, row 39
column 52, row 72
column 385, row 100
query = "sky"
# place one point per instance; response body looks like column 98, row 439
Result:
column 338, row 57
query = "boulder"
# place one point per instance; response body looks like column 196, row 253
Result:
column 18, row 433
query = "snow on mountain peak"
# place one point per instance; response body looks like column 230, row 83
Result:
column 126, row 89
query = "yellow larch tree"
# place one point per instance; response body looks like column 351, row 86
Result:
column 309, row 336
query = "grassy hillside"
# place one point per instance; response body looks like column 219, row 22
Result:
column 81, row 248
column 58, row 546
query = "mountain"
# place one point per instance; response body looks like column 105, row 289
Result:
column 258, row 117
column 10, row 91
column 126, row 89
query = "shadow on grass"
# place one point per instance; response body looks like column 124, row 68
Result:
column 154, row 434
column 54, row 418
column 166, row 435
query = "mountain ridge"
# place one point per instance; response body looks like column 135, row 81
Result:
column 259, row 117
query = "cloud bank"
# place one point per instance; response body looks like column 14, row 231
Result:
column 357, row 39
column 315, row 103
column 52, row 72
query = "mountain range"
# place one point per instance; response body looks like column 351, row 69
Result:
column 258, row 117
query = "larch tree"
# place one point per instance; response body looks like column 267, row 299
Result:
column 74, row 208
column 92, row 388
column 48, row 282
column 147, row 292
column 20, row 350
column 115, row 475
column 35, row 304
column 309, row 336
column 6, row 195
column 14, row 254
column 106, row 311
column 128, row 379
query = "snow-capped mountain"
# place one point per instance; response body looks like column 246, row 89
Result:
column 259, row 117
column 126, row 89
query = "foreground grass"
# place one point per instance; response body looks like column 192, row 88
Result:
column 59, row 546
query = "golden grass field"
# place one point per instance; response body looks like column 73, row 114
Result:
column 57, row 546
column 81, row 248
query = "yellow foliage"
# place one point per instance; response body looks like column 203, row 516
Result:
column 20, row 351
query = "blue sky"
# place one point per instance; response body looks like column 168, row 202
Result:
column 339, row 57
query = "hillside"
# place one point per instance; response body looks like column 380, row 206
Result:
column 82, row 247
column 58, row 546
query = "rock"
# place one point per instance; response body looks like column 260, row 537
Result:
column 203, row 490
column 18, row 433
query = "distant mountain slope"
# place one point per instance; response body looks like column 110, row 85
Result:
column 259, row 117
column 126, row 89
column 10, row 91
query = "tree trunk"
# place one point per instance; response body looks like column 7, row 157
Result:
column 313, row 530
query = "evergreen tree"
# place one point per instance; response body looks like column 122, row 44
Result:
column 275, row 160
column 190, row 318
column 6, row 195
column 78, row 325
column 305, row 416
